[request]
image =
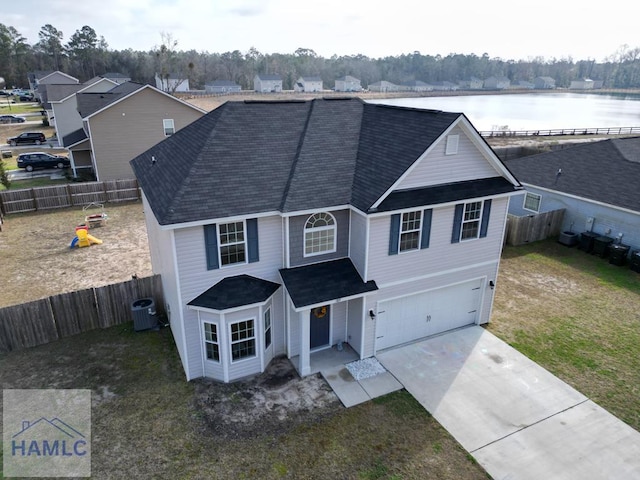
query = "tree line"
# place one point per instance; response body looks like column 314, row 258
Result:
column 86, row 54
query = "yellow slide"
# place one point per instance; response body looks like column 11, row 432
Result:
column 85, row 240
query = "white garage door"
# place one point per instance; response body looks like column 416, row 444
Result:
column 408, row 318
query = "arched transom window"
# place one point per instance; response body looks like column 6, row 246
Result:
column 320, row 234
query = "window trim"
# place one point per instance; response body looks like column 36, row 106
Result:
column 524, row 202
column 217, row 342
column 306, row 230
column 165, row 127
column 232, row 342
column 478, row 220
column 221, row 245
column 418, row 229
column 267, row 328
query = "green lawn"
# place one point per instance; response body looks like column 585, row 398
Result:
column 18, row 107
column 576, row 315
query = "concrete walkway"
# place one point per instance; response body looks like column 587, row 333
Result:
column 517, row 419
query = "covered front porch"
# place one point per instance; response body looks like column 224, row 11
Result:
column 325, row 314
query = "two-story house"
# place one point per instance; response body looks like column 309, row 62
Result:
column 347, row 84
column 290, row 227
column 308, row 84
column 266, row 83
column 119, row 124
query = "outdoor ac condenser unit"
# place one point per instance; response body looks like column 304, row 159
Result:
column 143, row 312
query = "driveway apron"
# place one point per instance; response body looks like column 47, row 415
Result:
column 517, row 419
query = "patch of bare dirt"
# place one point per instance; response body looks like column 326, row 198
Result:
column 272, row 403
column 37, row 260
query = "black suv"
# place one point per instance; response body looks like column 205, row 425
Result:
column 29, row 161
column 26, row 138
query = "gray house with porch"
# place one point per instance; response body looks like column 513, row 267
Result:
column 334, row 223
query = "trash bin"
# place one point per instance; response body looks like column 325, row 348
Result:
column 634, row 261
column 586, row 241
column 143, row 311
column 618, row 254
column 601, row 245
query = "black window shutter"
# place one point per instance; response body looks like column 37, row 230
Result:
column 252, row 240
column 457, row 223
column 211, row 246
column 486, row 211
column 426, row 228
column 394, row 234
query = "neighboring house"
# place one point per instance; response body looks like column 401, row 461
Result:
column 37, row 81
column 120, row 124
column 544, row 83
column 264, row 83
column 497, row 83
column 472, row 83
column 347, row 84
column 445, row 86
column 117, row 77
column 582, row 84
column 383, row 86
column 597, row 184
column 64, row 106
column 526, row 85
column 415, row 86
column 222, row 86
column 308, row 84
column 335, row 221
column 172, row 82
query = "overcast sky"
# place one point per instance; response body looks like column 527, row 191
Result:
column 375, row 28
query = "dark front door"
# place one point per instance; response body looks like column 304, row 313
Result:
column 319, row 330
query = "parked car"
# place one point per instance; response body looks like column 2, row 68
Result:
column 27, row 138
column 26, row 97
column 11, row 119
column 30, row 161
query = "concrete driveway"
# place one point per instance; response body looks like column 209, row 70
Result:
column 517, row 419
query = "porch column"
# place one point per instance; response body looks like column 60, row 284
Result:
column 305, row 333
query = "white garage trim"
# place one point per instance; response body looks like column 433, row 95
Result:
column 407, row 318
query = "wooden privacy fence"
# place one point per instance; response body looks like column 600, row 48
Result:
column 43, row 321
column 70, row 195
column 532, row 228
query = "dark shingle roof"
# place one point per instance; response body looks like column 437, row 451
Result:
column 56, row 93
column 256, row 157
column 267, row 76
column 74, row 137
column 607, row 171
column 89, row 103
column 234, row 292
column 450, row 192
column 323, row 282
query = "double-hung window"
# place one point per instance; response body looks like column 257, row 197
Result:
column 243, row 340
column 320, row 234
column 211, row 341
column 471, row 220
column 410, row 231
column 232, row 243
column 169, row 127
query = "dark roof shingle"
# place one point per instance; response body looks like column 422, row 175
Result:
column 237, row 291
column 607, row 171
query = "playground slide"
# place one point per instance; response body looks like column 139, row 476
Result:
column 83, row 239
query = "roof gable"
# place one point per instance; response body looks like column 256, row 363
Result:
column 606, row 171
column 262, row 157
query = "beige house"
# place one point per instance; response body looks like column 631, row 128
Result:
column 120, row 124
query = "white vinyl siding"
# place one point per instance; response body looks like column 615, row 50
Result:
column 438, row 168
column 358, row 242
column 441, row 254
column 195, row 278
column 354, row 323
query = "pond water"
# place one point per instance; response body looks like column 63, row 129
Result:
column 533, row 111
